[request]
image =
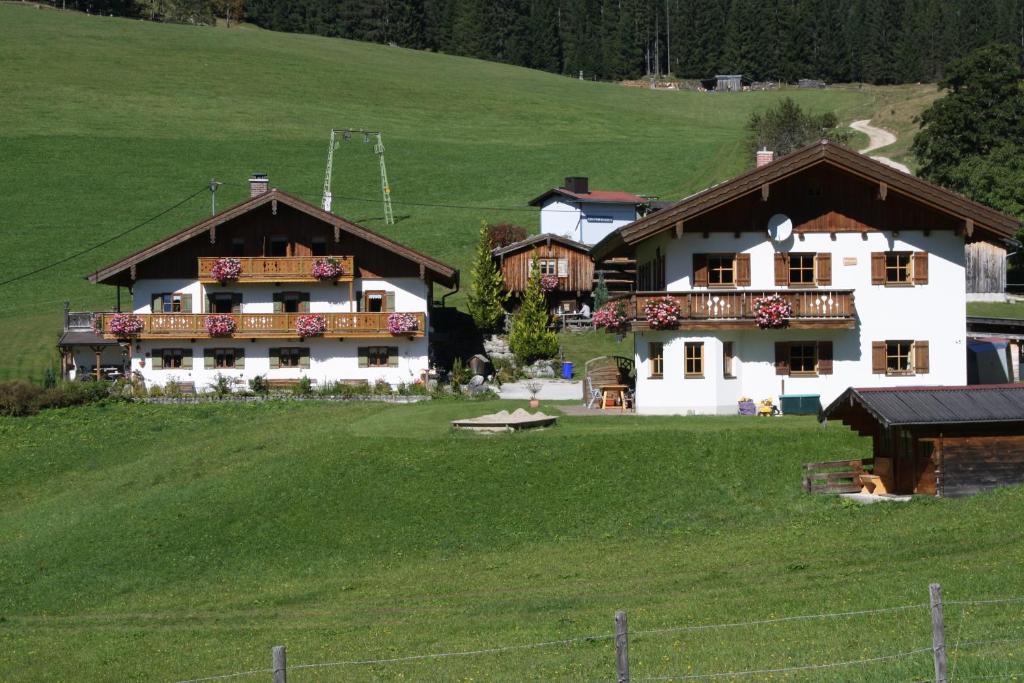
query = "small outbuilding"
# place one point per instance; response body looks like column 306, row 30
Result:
column 940, row 441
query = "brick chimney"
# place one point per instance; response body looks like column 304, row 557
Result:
column 765, row 156
column 258, row 184
column 577, row 184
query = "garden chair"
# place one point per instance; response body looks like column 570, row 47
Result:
column 593, row 394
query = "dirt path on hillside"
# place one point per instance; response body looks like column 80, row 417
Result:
column 878, row 138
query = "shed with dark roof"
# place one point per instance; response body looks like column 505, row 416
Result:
column 944, row 441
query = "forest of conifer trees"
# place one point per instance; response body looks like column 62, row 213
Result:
column 874, row 41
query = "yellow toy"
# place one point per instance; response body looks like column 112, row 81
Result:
column 766, row 408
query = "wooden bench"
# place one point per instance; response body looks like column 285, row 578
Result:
column 185, row 388
column 287, row 383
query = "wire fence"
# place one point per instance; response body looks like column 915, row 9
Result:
column 904, row 642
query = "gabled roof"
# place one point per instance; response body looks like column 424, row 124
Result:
column 543, row 238
column 986, row 219
column 442, row 273
column 905, row 406
column 594, row 197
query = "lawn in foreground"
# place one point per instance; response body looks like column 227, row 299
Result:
column 170, row 542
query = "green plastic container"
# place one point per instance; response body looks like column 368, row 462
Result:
column 800, row 404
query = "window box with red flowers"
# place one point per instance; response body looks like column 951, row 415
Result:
column 611, row 317
column 311, row 325
column 126, row 324
column 327, row 269
column 662, row 313
column 225, row 269
column 772, row 312
column 548, row 283
column 220, row 325
column 402, row 323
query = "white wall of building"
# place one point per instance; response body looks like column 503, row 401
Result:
column 586, row 222
column 935, row 312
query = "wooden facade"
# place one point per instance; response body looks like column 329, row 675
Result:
column 263, row 325
column 573, row 266
column 986, row 268
column 714, row 309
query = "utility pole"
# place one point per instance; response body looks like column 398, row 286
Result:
column 668, row 36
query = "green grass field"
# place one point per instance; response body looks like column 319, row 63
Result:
column 106, row 122
column 362, row 531
column 993, row 309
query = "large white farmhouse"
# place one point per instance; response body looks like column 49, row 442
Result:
column 273, row 286
column 584, row 215
column 867, row 264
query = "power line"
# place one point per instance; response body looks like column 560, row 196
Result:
column 54, row 264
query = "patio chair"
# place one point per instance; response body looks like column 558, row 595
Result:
column 593, row 394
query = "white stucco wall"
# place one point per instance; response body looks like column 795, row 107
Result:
column 935, row 312
column 586, row 222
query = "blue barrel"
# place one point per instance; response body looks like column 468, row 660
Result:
column 566, row 370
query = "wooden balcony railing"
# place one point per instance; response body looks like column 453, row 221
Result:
column 264, row 325
column 709, row 309
column 257, row 269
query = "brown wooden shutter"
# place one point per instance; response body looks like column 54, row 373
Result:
column 700, row 270
column 157, row 359
column 364, row 356
column 389, row 302
column 878, row 357
column 278, row 302
column 392, row 356
column 186, row 303
column 921, row 357
column 781, row 358
column 157, row 304
column 359, row 300
column 878, row 267
column 186, row 359
column 824, row 268
column 304, row 357
column 742, row 270
column 303, row 302
column 781, row 270
column 209, row 359
column 920, row 267
column 275, row 358
column 240, row 359
column 824, row 358
column 236, row 302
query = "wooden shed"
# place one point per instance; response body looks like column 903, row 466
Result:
column 940, row 441
column 562, row 257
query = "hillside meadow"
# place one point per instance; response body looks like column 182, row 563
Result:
column 145, row 542
column 107, row 122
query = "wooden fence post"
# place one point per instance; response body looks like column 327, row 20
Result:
column 938, row 633
column 622, row 647
column 280, row 664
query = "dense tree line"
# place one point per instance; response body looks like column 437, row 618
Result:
column 877, row 41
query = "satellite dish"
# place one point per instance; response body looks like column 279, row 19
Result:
column 780, row 227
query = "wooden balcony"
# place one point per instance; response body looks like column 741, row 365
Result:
column 265, row 326
column 271, row 269
column 734, row 309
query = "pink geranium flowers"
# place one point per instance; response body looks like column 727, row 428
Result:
column 662, row 313
column 772, row 311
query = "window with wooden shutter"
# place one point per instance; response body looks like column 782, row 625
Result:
column 186, row 359
column 801, row 270
column 722, row 270
column 390, row 305
column 781, row 270
column 236, row 302
column 157, row 359
column 303, row 302
column 563, row 267
column 700, row 270
column 878, row 267
column 157, row 304
column 824, row 358
column 824, row 269
column 364, row 356
column 781, row 358
column 304, row 357
column 209, row 359
column 278, row 298
column 275, row 358
column 742, row 270
column 921, row 359
column 878, row 357
column 803, row 358
column 239, row 359
column 186, row 303
column 920, row 268
column 392, row 356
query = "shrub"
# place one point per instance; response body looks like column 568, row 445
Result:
column 530, row 339
column 172, row 389
column 461, row 374
column 156, row 391
column 67, row 394
column 221, row 386
column 19, row 398
column 258, row 384
column 382, row 387
column 49, row 378
column 304, row 387
column 504, row 234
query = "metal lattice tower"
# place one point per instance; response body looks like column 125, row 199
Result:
column 378, row 149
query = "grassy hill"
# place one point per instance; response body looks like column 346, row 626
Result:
column 361, row 531
column 107, row 122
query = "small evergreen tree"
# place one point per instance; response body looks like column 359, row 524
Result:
column 488, row 290
column 600, row 292
column 530, row 338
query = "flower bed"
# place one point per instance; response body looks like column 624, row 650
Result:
column 311, row 325
column 402, row 323
column 662, row 313
column 225, row 269
column 126, row 324
column 611, row 317
column 220, row 325
column 327, row 268
column 772, row 311
column 548, row 283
